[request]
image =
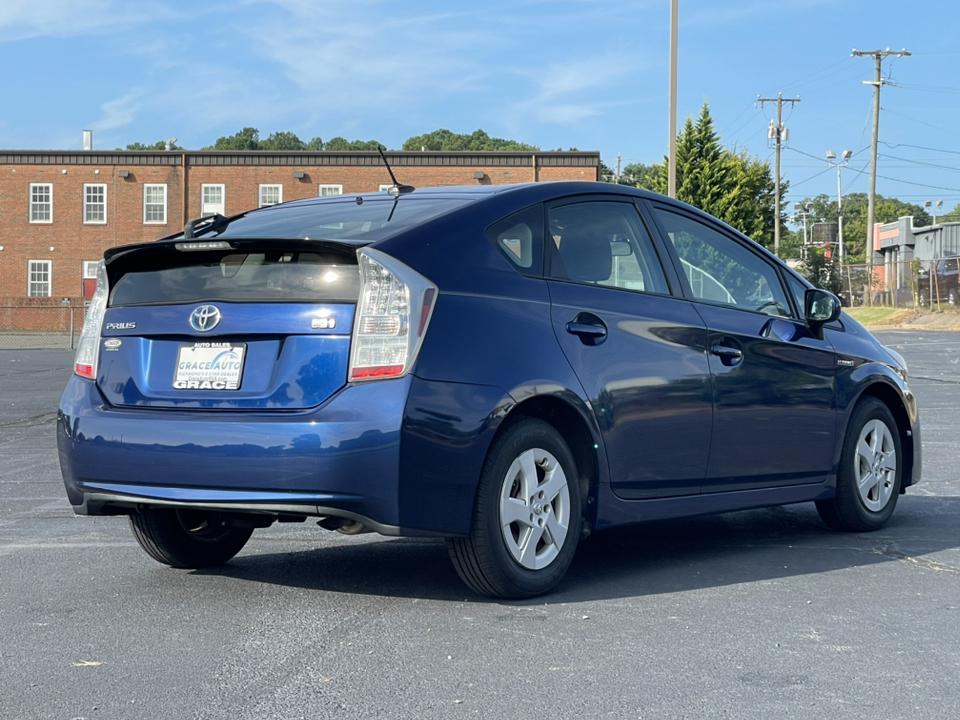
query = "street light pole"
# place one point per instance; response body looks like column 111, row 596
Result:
column 831, row 156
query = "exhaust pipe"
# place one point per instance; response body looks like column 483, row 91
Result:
column 343, row 525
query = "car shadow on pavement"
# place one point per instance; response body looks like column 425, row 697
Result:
column 649, row 559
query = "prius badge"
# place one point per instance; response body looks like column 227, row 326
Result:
column 205, row 318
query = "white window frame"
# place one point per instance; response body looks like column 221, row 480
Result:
column 101, row 204
column 147, row 205
column 332, row 190
column 209, row 207
column 383, row 187
column 270, row 187
column 44, row 285
column 35, row 207
column 88, row 269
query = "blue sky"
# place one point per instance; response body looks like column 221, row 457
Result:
column 590, row 74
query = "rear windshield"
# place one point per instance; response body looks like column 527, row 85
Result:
column 353, row 217
column 245, row 277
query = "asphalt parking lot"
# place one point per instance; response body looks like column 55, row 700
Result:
column 760, row 614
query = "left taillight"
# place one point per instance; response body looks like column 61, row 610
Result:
column 88, row 348
column 392, row 316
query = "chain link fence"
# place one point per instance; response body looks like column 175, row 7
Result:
column 39, row 328
column 907, row 284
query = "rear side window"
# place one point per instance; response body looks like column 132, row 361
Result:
column 604, row 243
column 520, row 238
column 285, row 276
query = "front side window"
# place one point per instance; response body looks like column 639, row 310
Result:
column 603, row 243
column 94, row 203
column 39, row 278
column 721, row 270
column 155, row 204
column 327, row 190
column 41, row 202
column 271, row 195
column 212, row 200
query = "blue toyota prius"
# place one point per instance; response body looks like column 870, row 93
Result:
column 508, row 367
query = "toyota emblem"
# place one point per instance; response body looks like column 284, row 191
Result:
column 205, row 318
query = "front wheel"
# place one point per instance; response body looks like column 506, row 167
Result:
column 187, row 538
column 870, row 472
column 527, row 517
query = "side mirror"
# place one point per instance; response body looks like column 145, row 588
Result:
column 820, row 307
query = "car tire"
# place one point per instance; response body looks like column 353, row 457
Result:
column 527, row 518
column 870, row 473
column 187, row 538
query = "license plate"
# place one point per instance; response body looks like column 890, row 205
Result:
column 209, row 366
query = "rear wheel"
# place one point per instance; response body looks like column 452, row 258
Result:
column 527, row 518
column 187, row 538
column 869, row 477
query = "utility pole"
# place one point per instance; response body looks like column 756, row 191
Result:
column 672, row 112
column 778, row 134
column 617, row 177
column 877, row 82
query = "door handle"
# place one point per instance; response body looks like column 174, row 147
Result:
column 725, row 352
column 589, row 328
column 586, row 329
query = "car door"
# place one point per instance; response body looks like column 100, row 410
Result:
column 774, row 420
column 639, row 353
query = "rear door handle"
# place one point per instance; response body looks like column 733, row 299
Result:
column 589, row 328
column 729, row 356
column 727, row 352
column 585, row 329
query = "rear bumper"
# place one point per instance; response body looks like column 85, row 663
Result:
column 339, row 459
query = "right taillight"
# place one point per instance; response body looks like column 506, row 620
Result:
column 88, row 348
column 392, row 315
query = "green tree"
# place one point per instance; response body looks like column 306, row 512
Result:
column 639, row 175
column 246, row 139
column 479, row 141
column 158, row 145
column 341, row 144
column 315, row 145
column 727, row 184
column 855, row 217
column 283, row 141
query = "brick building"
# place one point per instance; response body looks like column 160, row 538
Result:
column 60, row 210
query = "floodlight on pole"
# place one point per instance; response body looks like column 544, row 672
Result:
column 831, row 157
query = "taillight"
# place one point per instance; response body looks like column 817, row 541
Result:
column 88, row 348
column 392, row 315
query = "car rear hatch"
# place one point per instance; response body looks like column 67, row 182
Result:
column 228, row 325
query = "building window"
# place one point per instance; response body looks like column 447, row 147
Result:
column 94, row 203
column 327, row 190
column 38, row 278
column 271, row 195
column 89, row 274
column 154, row 204
column 212, row 202
column 41, row 202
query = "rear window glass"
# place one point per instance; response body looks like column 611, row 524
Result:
column 340, row 219
column 243, row 277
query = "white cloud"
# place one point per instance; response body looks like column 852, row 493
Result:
column 118, row 113
column 23, row 19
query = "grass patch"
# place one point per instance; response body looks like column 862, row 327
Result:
column 879, row 315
